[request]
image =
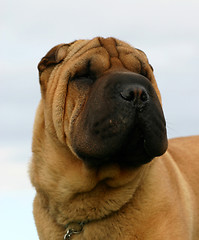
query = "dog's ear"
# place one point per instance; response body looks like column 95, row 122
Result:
column 54, row 56
column 47, row 63
column 145, row 56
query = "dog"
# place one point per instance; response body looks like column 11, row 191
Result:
column 102, row 165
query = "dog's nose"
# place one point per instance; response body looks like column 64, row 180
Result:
column 135, row 94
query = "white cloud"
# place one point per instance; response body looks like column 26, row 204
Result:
column 14, row 168
column 16, row 219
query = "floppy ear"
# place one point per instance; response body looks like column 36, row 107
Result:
column 145, row 56
column 47, row 63
column 54, row 56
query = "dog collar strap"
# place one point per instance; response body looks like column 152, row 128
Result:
column 74, row 228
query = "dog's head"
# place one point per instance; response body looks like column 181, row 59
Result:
column 101, row 101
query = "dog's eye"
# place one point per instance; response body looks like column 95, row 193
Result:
column 90, row 77
column 86, row 73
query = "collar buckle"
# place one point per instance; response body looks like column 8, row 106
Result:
column 74, row 228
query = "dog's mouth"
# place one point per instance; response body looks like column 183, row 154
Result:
column 128, row 150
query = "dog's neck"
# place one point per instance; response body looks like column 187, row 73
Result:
column 108, row 196
column 113, row 205
column 79, row 194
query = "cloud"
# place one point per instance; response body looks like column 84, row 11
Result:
column 14, row 167
column 16, row 215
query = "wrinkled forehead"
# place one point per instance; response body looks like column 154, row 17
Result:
column 104, row 54
column 114, row 47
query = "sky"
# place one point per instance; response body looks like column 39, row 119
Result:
column 166, row 30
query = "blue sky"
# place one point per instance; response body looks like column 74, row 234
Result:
column 168, row 32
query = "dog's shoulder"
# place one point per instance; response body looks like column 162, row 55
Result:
column 184, row 152
column 185, row 145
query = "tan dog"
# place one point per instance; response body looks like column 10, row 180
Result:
column 100, row 162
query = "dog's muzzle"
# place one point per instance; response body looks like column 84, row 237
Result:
column 122, row 121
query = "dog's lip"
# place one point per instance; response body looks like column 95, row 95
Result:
column 133, row 157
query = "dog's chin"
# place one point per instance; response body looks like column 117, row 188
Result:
column 123, row 160
column 129, row 155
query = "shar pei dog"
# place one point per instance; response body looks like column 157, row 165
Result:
column 102, row 166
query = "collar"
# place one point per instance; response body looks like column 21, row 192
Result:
column 74, row 228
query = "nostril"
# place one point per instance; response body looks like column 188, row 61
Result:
column 128, row 95
column 144, row 96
